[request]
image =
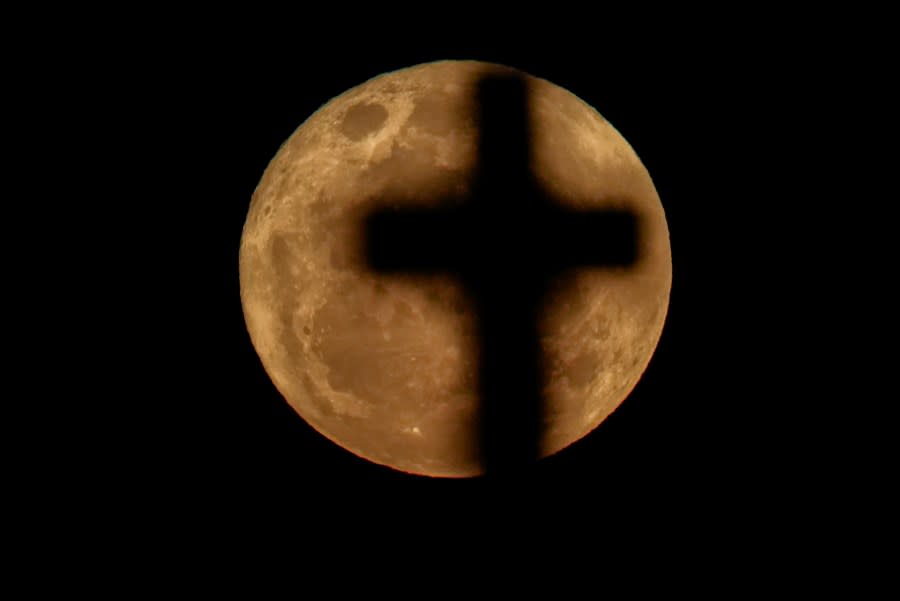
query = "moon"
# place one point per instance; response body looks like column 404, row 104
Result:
column 384, row 365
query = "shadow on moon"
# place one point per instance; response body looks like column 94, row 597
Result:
column 506, row 243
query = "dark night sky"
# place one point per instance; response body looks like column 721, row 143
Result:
column 157, row 435
column 706, row 426
column 679, row 426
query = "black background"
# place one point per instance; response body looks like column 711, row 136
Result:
column 684, row 428
column 190, row 427
column 754, row 441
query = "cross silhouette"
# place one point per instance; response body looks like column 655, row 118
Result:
column 504, row 243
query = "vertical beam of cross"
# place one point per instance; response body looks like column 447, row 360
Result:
column 499, row 277
column 504, row 243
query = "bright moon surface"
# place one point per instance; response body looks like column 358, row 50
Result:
column 385, row 365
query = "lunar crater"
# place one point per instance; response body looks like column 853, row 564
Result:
column 362, row 120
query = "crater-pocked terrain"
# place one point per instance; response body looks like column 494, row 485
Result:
column 385, row 365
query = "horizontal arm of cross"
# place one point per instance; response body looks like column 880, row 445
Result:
column 441, row 240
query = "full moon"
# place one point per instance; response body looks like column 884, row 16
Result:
column 385, row 365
